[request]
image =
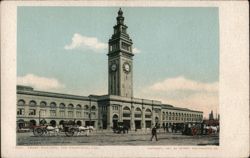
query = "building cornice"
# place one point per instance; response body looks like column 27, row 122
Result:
column 55, row 95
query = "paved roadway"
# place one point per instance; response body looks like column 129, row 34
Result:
column 109, row 138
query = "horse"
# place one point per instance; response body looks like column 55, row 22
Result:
column 212, row 129
column 50, row 129
column 81, row 129
column 91, row 128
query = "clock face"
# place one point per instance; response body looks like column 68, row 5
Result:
column 126, row 67
column 113, row 67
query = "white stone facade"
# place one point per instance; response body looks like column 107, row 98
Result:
column 99, row 111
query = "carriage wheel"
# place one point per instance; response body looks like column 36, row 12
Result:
column 70, row 132
column 38, row 131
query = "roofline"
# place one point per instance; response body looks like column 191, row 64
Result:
column 99, row 98
column 55, row 95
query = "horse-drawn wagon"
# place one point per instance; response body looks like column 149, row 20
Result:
column 68, row 128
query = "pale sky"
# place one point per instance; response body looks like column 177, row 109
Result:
column 63, row 49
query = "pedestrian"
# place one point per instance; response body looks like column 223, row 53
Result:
column 154, row 133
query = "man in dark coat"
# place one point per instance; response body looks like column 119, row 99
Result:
column 154, row 133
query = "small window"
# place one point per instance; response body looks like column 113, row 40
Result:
column 86, row 107
column 78, row 106
column 52, row 112
column 32, row 112
column 70, row 113
column 70, row 106
column 20, row 111
column 62, row 113
column 42, row 113
column 93, row 108
column 62, row 106
column 53, row 105
column 21, row 103
column 32, row 103
column 43, row 104
column 78, row 114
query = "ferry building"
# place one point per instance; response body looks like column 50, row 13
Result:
column 104, row 111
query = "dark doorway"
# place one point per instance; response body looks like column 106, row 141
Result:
column 148, row 124
column 104, row 124
column 20, row 124
column 115, row 120
column 79, row 123
column 32, row 123
column 43, row 122
column 126, row 123
column 138, row 124
column 61, row 122
column 53, row 123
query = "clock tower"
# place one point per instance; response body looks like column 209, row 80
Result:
column 120, row 60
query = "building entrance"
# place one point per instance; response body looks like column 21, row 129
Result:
column 79, row 123
column 138, row 124
column 126, row 123
column 148, row 124
column 115, row 120
column 104, row 124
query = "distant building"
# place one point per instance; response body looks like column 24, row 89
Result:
column 211, row 116
column 106, row 110
column 211, row 120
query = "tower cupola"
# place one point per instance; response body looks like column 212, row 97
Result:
column 120, row 18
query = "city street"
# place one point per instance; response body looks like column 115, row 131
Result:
column 110, row 138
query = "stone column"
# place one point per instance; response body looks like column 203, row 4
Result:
column 160, row 117
column 57, row 112
column 143, row 118
column 153, row 117
column 120, row 113
column 26, row 110
column 109, row 117
column 37, row 114
column 100, row 120
column 132, row 120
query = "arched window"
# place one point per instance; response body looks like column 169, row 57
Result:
column 138, row 113
column 93, row 107
column 70, row 106
column 62, row 106
column 78, row 106
column 32, row 103
column 53, row 105
column 126, row 108
column 126, row 112
column 86, row 107
column 148, row 110
column 148, row 113
column 21, row 102
column 138, row 109
column 115, row 117
column 43, row 103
